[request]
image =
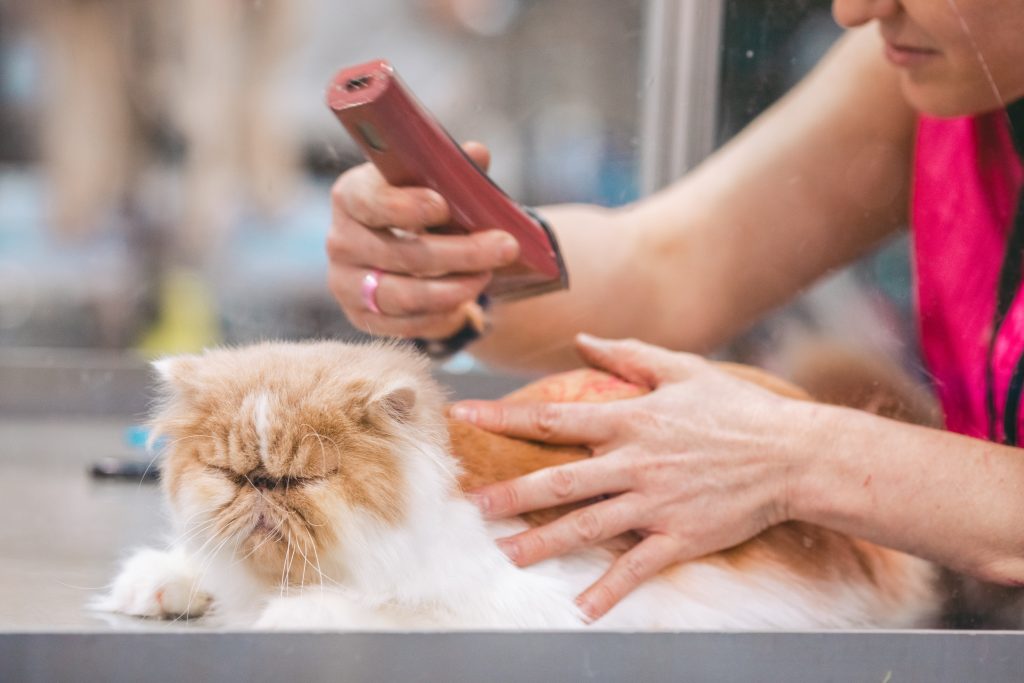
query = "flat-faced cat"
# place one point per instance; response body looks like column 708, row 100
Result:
column 319, row 485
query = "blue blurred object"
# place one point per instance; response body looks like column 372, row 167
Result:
column 140, row 466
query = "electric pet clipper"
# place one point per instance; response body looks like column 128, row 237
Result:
column 410, row 147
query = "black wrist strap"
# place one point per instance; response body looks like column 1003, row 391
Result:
column 440, row 349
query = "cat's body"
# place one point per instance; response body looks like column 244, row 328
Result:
column 313, row 486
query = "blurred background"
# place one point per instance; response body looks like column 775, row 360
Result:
column 165, row 166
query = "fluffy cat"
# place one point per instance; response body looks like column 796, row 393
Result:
column 319, row 485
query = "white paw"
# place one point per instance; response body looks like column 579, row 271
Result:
column 157, row 584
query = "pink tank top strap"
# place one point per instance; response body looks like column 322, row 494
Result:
column 967, row 177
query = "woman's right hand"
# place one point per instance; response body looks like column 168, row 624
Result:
column 426, row 280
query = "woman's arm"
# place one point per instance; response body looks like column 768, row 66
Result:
column 812, row 184
column 950, row 498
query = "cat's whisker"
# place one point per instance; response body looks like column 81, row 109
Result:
column 287, row 568
column 270, row 537
column 163, row 449
column 197, row 582
column 262, row 495
column 305, row 561
column 194, row 533
column 316, row 555
column 298, row 547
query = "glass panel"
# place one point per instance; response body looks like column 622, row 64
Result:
column 165, row 186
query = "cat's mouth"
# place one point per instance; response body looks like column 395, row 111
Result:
column 264, row 524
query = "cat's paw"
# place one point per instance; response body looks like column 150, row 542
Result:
column 156, row 584
column 288, row 614
column 316, row 610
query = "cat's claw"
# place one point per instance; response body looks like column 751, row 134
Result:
column 156, row 584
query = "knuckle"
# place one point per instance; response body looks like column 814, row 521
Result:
column 339, row 189
column 588, row 525
column 632, row 344
column 634, row 569
column 356, row 206
column 638, row 416
column 394, row 209
column 534, row 546
column 407, row 260
column 562, row 482
column 508, row 498
column 546, row 419
column 404, row 300
column 603, row 597
column 337, row 287
column 338, row 247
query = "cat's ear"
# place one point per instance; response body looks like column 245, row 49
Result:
column 177, row 372
column 397, row 403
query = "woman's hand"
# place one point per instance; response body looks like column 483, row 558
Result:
column 696, row 466
column 426, row 279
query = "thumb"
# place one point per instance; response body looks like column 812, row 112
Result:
column 480, row 155
column 637, row 362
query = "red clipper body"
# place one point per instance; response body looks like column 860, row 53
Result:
column 410, row 147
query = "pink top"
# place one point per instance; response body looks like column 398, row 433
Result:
column 967, row 175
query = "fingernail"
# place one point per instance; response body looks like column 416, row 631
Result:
column 483, row 503
column 587, row 609
column 508, row 248
column 588, row 339
column 463, row 413
column 510, row 549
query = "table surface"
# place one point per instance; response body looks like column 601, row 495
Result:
column 64, row 531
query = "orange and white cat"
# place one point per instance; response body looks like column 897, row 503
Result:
column 319, row 485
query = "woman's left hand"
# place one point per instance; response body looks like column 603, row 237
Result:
column 698, row 465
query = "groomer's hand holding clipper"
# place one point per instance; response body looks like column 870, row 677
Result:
column 415, row 248
column 390, row 276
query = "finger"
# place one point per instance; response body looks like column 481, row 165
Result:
column 577, row 529
column 642, row 562
column 480, row 155
column 638, row 362
column 556, row 423
column 423, row 256
column 550, row 487
column 431, row 326
column 401, row 296
column 363, row 194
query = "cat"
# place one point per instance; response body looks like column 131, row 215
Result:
column 320, row 485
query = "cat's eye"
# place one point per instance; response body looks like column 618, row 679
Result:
column 222, row 471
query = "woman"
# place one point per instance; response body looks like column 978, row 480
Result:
column 706, row 461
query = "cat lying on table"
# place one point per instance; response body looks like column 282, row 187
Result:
column 319, row 485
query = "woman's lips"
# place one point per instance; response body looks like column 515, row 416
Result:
column 907, row 55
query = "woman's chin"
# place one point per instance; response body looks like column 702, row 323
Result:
column 944, row 101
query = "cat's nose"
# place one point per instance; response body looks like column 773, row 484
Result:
column 267, row 483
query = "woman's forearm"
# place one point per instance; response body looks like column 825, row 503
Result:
column 815, row 182
column 949, row 498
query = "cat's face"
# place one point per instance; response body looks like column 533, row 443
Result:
column 274, row 448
